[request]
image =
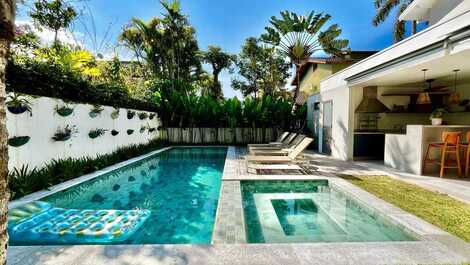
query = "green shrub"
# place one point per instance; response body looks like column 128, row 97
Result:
column 53, row 80
column 23, row 181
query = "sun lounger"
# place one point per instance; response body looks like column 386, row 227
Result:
column 281, row 159
column 254, row 168
column 277, row 150
column 287, row 139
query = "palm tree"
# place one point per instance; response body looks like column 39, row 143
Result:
column 299, row 37
column 7, row 32
column 219, row 60
column 383, row 9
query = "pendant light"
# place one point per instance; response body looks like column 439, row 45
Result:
column 455, row 96
column 423, row 97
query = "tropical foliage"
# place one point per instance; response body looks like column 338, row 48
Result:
column 181, row 110
column 262, row 70
column 299, row 37
column 219, row 61
column 384, row 8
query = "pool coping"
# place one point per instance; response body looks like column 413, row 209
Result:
column 436, row 246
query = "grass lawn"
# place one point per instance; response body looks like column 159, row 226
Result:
column 438, row 209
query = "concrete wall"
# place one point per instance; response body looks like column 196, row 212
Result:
column 44, row 122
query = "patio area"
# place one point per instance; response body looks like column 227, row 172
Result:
column 229, row 242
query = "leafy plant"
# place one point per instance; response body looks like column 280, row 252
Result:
column 96, row 110
column 130, row 114
column 17, row 141
column 143, row 115
column 96, row 133
column 18, row 104
column 65, row 134
column 114, row 132
column 115, row 113
column 438, row 113
column 129, row 132
column 64, row 110
column 151, row 116
column 299, row 37
column 23, row 181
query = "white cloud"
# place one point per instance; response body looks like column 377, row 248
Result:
column 47, row 36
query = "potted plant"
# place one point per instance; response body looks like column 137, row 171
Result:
column 129, row 132
column 17, row 104
column 95, row 111
column 114, row 132
column 142, row 129
column 130, row 114
column 436, row 116
column 64, row 110
column 65, row 134
column 143, row 115
column 151, row 116
column 115, row 113
column 18, row 140
column 96, row 133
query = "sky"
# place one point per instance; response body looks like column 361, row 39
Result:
column 226, row 23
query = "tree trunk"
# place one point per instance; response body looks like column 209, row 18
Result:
column 7, row 26
column 297, row 87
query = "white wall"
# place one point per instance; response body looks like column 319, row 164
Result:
column 44, row 122
column 342, row 134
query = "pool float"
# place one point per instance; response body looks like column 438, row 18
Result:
column 40, row 223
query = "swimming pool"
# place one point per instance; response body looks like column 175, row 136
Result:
column 310, row 211
column 179, row 188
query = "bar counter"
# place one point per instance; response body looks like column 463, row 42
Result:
column 406, row 151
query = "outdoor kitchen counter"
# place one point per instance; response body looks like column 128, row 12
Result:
column 406, row 151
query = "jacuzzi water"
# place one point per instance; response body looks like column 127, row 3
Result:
column 310, row 211
column 179, row 186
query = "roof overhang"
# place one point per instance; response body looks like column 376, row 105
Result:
column 418, row 10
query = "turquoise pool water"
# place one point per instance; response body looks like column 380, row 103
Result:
column 180, row 187
column 309, row 211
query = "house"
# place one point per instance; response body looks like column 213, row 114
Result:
column 379, row 107
column 317, row 69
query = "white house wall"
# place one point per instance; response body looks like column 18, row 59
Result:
column 44, row 122
column 341, row 146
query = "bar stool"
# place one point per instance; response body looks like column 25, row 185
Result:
column 450, row 144
column 466, row 147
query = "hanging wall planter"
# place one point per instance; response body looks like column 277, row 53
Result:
column 129, row 132
column 17, row 104
column 96, row 133
column 65, row 134
column 18, row 141
column 151, row 129
column 114, row 132
column 142, row 129
column 95, row 111
column 64, row 111
column 143, row 115
column 115, row 114
column 130, row 114
column 151, row 116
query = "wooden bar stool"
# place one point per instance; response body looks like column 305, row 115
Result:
column 466, row 147
column 450, row 145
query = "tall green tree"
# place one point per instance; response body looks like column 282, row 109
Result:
column 166, row 44
column 299, row 37
column 53, row 15
column 262, row 70
column 7, row 34
column 383, row 9
column 219, row 60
